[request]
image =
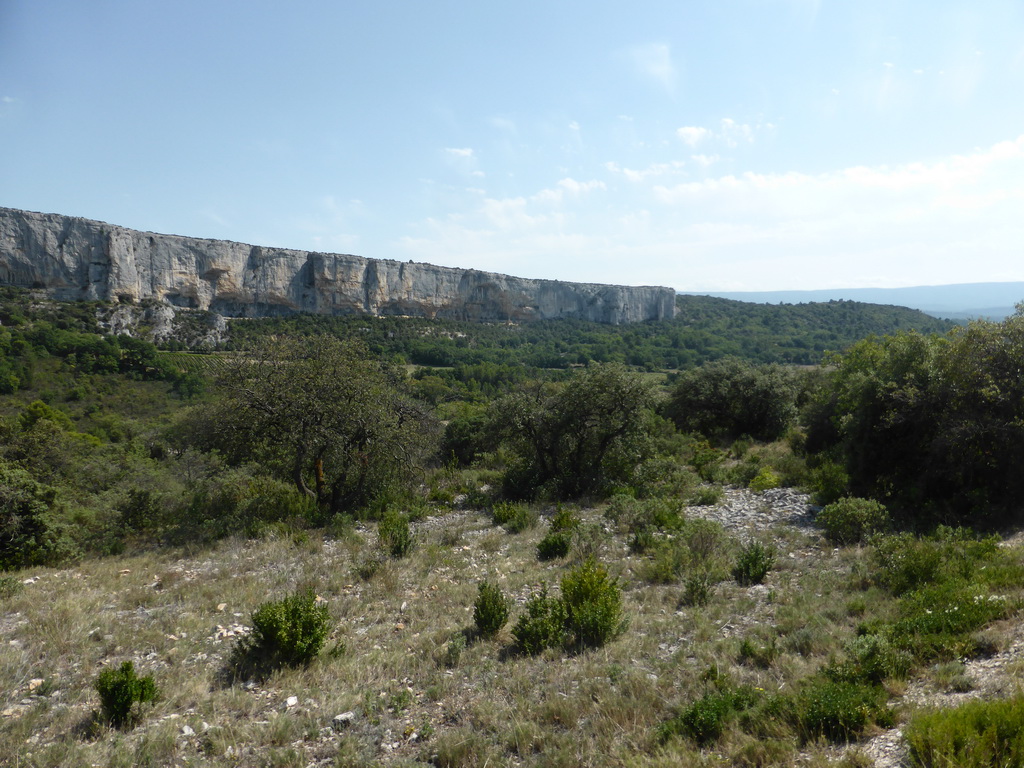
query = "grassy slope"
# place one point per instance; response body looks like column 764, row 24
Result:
column 393, row 633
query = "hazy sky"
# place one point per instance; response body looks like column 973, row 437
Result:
column 700, row 144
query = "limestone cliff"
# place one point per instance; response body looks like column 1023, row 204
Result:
column 73, row 258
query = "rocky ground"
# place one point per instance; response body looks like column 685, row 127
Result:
column 179, row 617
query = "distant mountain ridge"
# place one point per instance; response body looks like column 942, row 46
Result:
column 961, row 301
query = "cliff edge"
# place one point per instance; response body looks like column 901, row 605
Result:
column 80, row 259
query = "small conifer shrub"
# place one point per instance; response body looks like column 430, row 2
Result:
column 558, row 540
column 593, row 605
column 120, row 689
column 753, row 564
column 290, row 631
column 490, row 613
column 542, row 625
column 394, row 534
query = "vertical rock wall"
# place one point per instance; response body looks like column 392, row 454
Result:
column 75, row 259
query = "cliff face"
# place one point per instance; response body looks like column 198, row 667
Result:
column 76, row 259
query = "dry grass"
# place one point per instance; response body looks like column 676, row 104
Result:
column 413, row 701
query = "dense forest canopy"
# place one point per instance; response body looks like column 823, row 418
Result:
column 705, row 328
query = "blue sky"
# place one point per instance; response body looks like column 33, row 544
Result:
column 708, row 145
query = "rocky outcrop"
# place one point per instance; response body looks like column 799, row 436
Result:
column 73, row 259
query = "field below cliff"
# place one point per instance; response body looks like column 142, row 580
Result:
column 404, row 679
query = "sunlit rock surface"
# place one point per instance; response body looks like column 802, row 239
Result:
column 73, row 259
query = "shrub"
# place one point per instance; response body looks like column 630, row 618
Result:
column 558, row 540
column 707, row 496
column 758, row 655
column 120, row 689
column 871, row 659
column 394, row 534
column 978, row 734
column 697, row 590
column 32, row 531
column 514, row 518
column 593, row 605
column 586, row 437
column 704, row 720
column 829, row 482
column 453, row 651
column 290, row 631
column 765, row 480
column 839, row 711
column 490, row 612
column 753, row 564
column 853, row 520
column 554, row 544
column 564, row 519
column 705, row 539
column 936, row 622
column 543, row 624
column 668, row 562
column 903, row 562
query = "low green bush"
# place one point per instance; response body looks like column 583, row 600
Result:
column 490, row 612
column 704, row 721
column 593, row 605
column 542, row 626
column 839, row 711
column 120, row 690
column 290, row 631
column 697, row 590
column 513, row 517
column 754, row 562
column 871, row 659
column 937, row 623
column 564, row 519
column 757, row 654
column 903, row 562
column 394, row 534
column 852, row 520
column 554, row 545
column 706, row 540
column 707, row 496
column 558, row 541
column 765, row 480
column 829, row 482
column 979, row 734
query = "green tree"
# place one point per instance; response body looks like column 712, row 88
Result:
column 31, row 530
column 324, row 414
column 931, row 426
column 584, row 437
column 728, row 398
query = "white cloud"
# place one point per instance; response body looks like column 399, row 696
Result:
column 946, row 220
column 730, row 133
column 733, row 133
column 692, row 134
column 656, row 169
column 580, row 187
column 705, row 161
column 464, row 160
column 654, row 61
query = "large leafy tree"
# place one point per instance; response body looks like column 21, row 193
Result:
column 728, row 398
column 323, row 413
column 581, row 438
column 934, row 426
